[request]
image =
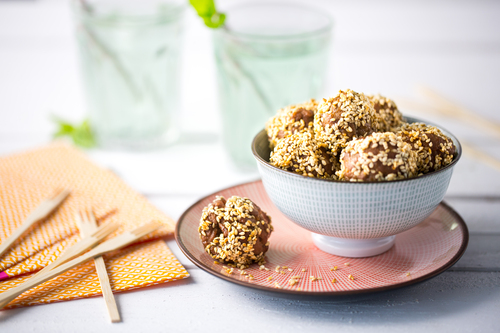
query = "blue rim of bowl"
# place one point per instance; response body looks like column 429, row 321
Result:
column 206, row 268
column 410, row 120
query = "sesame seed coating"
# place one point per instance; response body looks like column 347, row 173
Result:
column 303, row 154
column 377, row 157
column 235, row 231
column 347, row 116
column 434, row 149
column 390, row 119
column 290, row 120
column 326, row 140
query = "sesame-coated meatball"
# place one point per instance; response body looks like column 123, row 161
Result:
column 434, row 149
column 235, row 231
column 303, row 154
column 345, row 117
column 290, row 120
column 390, row 119
column 377, row 157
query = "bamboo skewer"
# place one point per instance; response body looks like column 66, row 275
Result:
column 87, row 224
column 42, row 211
column 487, row 159
column 110, row 245
column 81, row 246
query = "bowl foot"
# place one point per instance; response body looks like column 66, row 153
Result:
column 353, row 248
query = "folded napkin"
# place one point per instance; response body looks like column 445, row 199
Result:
column 28, row 178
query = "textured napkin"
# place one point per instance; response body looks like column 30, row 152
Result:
column 28, row 178
column 133, row 267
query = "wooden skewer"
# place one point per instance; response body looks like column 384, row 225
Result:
column 410, row 104
column 81, row 246
column 452, row 109
column 42, row 211
column 487, row 159
column 110, row 245
column 87, row 224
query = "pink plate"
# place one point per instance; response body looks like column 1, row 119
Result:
column 418, row 254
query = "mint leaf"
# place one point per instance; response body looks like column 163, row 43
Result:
column 207, row 11
column 215, row 20
column 81, row 134
column 204, row 8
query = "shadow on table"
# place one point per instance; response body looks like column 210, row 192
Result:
column 6, row 314
column 447, row 294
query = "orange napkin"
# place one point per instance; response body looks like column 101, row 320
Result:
column 130, row 268
column 28, row 178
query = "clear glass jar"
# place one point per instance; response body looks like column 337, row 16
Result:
column 268, row 56
column 130, row 58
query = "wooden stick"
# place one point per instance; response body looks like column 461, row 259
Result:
column 82, row 245
column 110, row 245
column 87, row 224
column 487, row 159
column 452, row 109
column 42, row 211
column 410, row 104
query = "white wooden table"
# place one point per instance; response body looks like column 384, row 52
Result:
column 386, row 47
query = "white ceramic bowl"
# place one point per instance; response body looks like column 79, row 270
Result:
column 353, row 219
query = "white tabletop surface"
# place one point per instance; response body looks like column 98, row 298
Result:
column 389, row 47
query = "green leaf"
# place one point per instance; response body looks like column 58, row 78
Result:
column 215, row 20
column 80, row 134
column 64, row 127
column 204, row 8
column 207, row 11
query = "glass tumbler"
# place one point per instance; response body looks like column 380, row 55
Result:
column 268, row 56
column 129, row 54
